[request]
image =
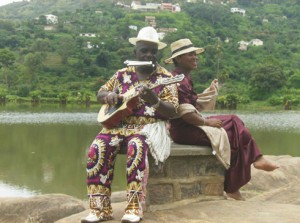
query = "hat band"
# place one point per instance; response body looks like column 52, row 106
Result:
column 182, row 48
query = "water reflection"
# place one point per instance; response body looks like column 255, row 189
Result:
column 14, row 191
column 288, row 121
column 47, row 117
column 45, row 152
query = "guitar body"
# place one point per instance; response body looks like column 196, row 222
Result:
column 111, row 116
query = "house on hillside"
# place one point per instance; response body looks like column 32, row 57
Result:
column 121, row 4
column 167, row 30
column 91, row 35
column 265, row 20
column 49, row 28
column 89, row 45
column 238, row 11
column 136, row 5
column 170, row 7
column 133, row 27
column 150, row 20
column 51, row 19
column 243, row 45
column 256, row 42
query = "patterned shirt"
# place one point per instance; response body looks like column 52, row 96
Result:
column 126, row 79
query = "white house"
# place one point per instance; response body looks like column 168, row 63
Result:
column 89, row 45
column 265, row 20
column 51, row 19
column 239, row 11
column 88, row 35
column 49, row 28
column 170, row 7
column 136, row 5
column 243, row 45
column 133, row 27
column 167, row 30
column 256, row 42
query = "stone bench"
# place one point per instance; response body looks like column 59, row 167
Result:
column 190, row 174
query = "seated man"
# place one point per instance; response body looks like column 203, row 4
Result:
column 194, row 129
column 136, row 131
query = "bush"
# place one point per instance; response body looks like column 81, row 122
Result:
column 275, row 100
column 229, row 101
column 23, row 90
column 3, row 94
column 35, row 96
column 63, row 97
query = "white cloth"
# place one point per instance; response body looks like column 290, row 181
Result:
column 219, row 143
column 158, row 140
column 207, row 99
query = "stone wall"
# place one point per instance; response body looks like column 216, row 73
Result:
column 191, row 173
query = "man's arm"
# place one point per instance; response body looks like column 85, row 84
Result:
column 164, row 108
column 195, row 119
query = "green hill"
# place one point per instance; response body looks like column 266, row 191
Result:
column 40, row 60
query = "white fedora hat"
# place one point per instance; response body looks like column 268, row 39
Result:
column 182, row 46
column 148, row 34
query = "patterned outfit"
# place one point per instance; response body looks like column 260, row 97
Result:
column 127, row 135
column 244, row 150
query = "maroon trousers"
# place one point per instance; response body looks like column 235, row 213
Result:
column 244, row 150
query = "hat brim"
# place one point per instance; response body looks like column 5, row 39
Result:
column 134, row 40
column 191, row 49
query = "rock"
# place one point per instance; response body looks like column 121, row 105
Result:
column 39, row 209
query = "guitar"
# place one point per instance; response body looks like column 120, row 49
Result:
column 111, row 116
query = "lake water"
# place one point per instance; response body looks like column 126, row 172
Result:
column 44, row 152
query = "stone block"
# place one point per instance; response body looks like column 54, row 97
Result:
column 213, row 189
column 178, row 167
column 159, row 193
column 191, row 190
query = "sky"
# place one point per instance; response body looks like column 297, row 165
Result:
column 5, row 2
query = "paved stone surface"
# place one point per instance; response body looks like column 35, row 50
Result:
column 271, row 198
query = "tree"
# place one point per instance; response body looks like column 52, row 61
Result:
column 7, row 59
column 33, row 62
column 294, row 80
column 265, row 79
column 66, row 49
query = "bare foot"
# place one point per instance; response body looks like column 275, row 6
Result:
column 235, row 195
column 264, row 164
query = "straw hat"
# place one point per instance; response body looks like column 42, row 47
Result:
column 180, row 47
column 148, row 34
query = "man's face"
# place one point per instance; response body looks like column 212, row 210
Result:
column 188, row 61
column 146, row 51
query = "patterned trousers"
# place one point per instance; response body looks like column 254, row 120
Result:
column 101, row 161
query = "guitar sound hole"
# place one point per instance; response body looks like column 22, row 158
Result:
column 111, row 109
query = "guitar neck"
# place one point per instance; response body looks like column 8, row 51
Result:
column 163, row 81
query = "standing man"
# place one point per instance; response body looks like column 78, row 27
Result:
column 142, row 131
column 226, row 134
